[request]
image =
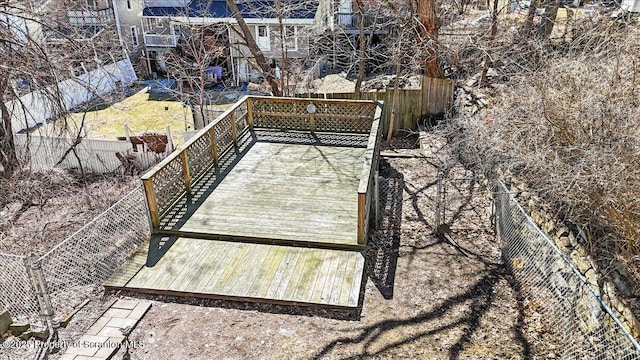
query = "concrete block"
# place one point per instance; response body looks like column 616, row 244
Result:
column 139, row 311
column 5, row 321
column 18, row 328
column 125, row 304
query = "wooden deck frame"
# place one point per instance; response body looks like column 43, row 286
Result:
column 163, row 188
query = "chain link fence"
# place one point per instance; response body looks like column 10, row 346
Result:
column 17, row 293
column 36, row 290
column 579, row 322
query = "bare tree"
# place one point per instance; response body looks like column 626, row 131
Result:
column 261, row 60
column 40, row 47
column 201, row 50
column 428, row 11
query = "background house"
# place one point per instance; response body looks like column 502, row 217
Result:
column 128, row 15
column 167, row 25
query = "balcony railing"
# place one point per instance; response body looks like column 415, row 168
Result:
column 160, row 40
column 91, row 17
column 352, row 20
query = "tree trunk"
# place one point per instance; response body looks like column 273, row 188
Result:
column 549, row 19
column 494, row 31
column 8, row 158
column 428, row 14
column 255, row 50
column 361, row 54
column 395, row 101
column 283, row 48
column 528, row 23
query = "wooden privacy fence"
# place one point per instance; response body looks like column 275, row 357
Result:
column 435, row 97
column 174, row 176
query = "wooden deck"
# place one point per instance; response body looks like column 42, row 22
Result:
column 280, row 193
column 270, row 202
column 244, row 271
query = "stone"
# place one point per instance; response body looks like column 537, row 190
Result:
column 591, row 276
column 562, row 231
column 5, row 321
column 583, row 264
column 18, row 328
column 635, row 327
column 40, row 334
column 620, row 285
column 564, row 241
column 573, row 239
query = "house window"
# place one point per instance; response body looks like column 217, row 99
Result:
column 262, row 38
column 91, row 4
column 128, row 4
column 291, row 37
column 134, row 36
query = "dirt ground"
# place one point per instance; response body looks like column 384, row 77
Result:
column 427, row 297
column 42, row 207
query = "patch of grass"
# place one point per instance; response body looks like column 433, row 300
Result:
column 141, row 114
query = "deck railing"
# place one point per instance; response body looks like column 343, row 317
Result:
column 346, row 116
column 168, row 181
column 367, row 189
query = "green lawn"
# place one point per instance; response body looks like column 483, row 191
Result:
column 141, row 115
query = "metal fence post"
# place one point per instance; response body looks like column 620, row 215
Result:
column 34, row 270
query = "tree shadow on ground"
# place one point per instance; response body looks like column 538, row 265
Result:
column 480, row 295
column 477, row 299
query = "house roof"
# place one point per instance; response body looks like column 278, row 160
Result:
column 294, row 9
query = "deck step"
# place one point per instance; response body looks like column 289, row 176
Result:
column 245, row 272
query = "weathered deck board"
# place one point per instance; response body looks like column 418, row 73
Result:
column 289, row 192
column 130, row 267
column 246, row 271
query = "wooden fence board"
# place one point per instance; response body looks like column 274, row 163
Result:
column 435, row 97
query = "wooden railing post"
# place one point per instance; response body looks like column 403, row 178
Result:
column 152, row 203
column 186, row 175
column 312, row 122
column 234, row 130
column 250, row 113
column 214, row 145
column 362, row 218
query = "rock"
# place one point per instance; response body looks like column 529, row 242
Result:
column 470, row 83
column 620, row 285
column 5, row 321
column 562, row 231
column 564, row 241
column 592, row 277
column 40, row 334
column 582, row 263
column 573, row 239
column 18, row 328
column 635, row 327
